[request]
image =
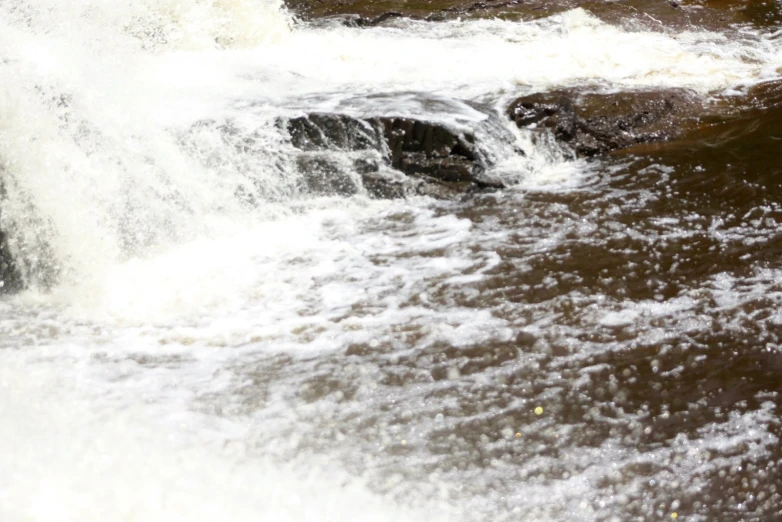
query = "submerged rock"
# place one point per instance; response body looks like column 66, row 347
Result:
column 596, row 123
column 393, row 156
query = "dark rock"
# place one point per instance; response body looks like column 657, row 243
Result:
column 356, row 20
column 596, row 123
column 10, row 278
column 322, row 131
column 432, row 158
column 10, row 281
column 384, row 187
column 323, row 176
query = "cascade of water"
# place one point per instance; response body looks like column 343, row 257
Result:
column 149, row 183
column 89, row 177
column 127, row 128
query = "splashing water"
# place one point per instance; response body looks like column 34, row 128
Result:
column 183, row 286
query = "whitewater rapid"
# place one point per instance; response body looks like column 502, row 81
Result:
column 126, row 134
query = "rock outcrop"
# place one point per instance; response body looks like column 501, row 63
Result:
column 393, row 156
column 597, row 123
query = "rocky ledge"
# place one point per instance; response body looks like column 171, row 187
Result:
column 393, row 156
column 597, row 123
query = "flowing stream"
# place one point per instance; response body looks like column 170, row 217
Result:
column 202, row 338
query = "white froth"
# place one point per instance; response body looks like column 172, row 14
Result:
column 125, row 128
column 563, row 49
column 333, row 67
column 129, row 132
column 71, row 455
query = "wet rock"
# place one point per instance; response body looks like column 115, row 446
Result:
column 10, row 279
column 326, row 177
column 392, row 156
column 323, row 131
column 597, row 123
column 357, row 20
column 9, row 276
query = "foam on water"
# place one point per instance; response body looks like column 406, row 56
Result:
column 502, row 56
column 104, row 159
column 157, row 25
column 145, row 176
column 102, row 434
column 79, row 456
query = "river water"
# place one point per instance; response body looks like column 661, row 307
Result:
column 202, row 339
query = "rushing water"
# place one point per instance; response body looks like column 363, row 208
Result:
column 201, row 339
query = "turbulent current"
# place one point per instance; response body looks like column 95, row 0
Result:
column 202, row 336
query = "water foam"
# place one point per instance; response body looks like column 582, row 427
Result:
column 80, row 457
column 128, row 128
column 473, row 58
column 105, row 26
column 144, row 170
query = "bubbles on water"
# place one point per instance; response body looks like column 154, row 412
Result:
column 151, row 24
column 219, row 328
column 115, row 459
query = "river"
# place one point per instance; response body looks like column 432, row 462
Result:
column 200, row 336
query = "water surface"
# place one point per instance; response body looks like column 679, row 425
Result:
column 201, row 338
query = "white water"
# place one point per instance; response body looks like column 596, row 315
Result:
column 110, row 186
column 98, row 135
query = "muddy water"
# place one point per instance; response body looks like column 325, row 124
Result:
column 598, row 341
column 639, row 311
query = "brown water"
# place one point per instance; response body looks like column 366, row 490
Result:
column 645, row 305
column 604, row 348
column 648, row 333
